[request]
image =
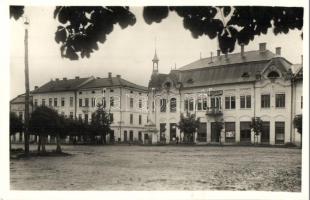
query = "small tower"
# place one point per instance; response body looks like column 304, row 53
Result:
column 155, row 63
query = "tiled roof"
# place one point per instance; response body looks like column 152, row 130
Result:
column 112, row 82
column 157, row 80
column 21, row 99
column 62, row 85
column 249, row 56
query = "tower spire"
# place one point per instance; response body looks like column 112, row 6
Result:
column 155, row 60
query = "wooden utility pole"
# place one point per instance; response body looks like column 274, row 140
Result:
column 26, row 133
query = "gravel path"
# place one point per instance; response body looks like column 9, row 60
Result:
column 161, row 168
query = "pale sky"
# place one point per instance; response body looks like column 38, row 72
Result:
column 127, row 52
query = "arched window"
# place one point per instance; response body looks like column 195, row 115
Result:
column 273, row 74
column 173, row 105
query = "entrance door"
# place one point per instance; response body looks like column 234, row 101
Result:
column 245, row 132
column 125, row 136
column 215, row 137
column 265, row 133
column 112, row 139
column 131, row 136
column 173, row 131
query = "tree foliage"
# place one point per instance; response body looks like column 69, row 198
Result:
column 188, row 125
column 83, row 27
column 16, row 124
column 298, row 123
column 16, row 12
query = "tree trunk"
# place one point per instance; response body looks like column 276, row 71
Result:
column 43, row 144
column 39, row 143
column 58, row 148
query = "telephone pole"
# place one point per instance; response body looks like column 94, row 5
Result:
column 26, row 130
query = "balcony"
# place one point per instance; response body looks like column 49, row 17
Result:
column 214, row 111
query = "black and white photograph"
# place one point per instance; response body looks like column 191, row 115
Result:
column 176, row 100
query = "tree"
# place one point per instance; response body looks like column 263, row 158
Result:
column 16, row 125
column 100, row 123
column 188, row 125
column 298, row 123
column 82, row 27
column 219, row 125
column 256, row 126
column 44, row 121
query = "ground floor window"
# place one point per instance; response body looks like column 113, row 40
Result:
column 162, row 131
column 140, row 136
column 265, row 136
column 279, row 132
column 230, row 131
column 202, row 132
column 131, row 136
column 245, row 131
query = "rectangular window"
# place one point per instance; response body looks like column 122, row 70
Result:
column 265, row 100
column 111, row 117
column 173, row 105
column 104, row 103
column 131, row 118
column 280, row 100
column 279, row 131
column 153, row 106
column 43, row 102
column 140, row 103
column 245, row 101
column 80, row 102
column 204, row 103
column 125, row 136
column 245, row 132
column 216, row 102
column 71, row 101
column 191, row 104
column 230, row 131
column 186, row 104
column 140, row 119
column 131, row 136
column 230, row 102
column 86, row 118
column 55, row 102
column 86, row 102
column 50, row 102
column 111, row 101
column 199, row 104
column 131, row 102
column 62, row 101
column 93, row 102
column 163, row 105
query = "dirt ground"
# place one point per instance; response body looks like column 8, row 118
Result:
column 161, row 168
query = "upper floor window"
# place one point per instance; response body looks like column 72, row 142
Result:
column 50, row 102
column 111, row 101
column 131, row 118
column 140, row 119
column 245, row 101
column 62, row 101
column 80, row 102
column 163, row 105
column 140, row 103
column 189, row 104
column 55, row 102
column 265, row 100
column 71, row 101
column 202, row 103
column 93, row 102
column 280, row 100
column 131, row 102
column 43, row 102
column 86, row 102
column 173, row 105
column 216, row 102
column 35, row 102
column 230, row 102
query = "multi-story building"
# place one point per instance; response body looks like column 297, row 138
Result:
column 78, row 98
column 228, row 89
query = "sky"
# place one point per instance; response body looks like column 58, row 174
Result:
column 127, row 52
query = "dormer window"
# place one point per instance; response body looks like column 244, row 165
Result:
column 245, row 75
column 190, row 81
column 273, row 75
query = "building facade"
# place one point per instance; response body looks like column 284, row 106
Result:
column 229, row 89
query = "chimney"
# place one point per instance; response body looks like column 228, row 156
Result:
column 64, row 78
column 218, row 52
column 36, row 87
column 110, row 74
column 242, row 50
column 118, row 76
column 57, row 79
column 278, row 51
column 262, row 47
column 77, row 77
